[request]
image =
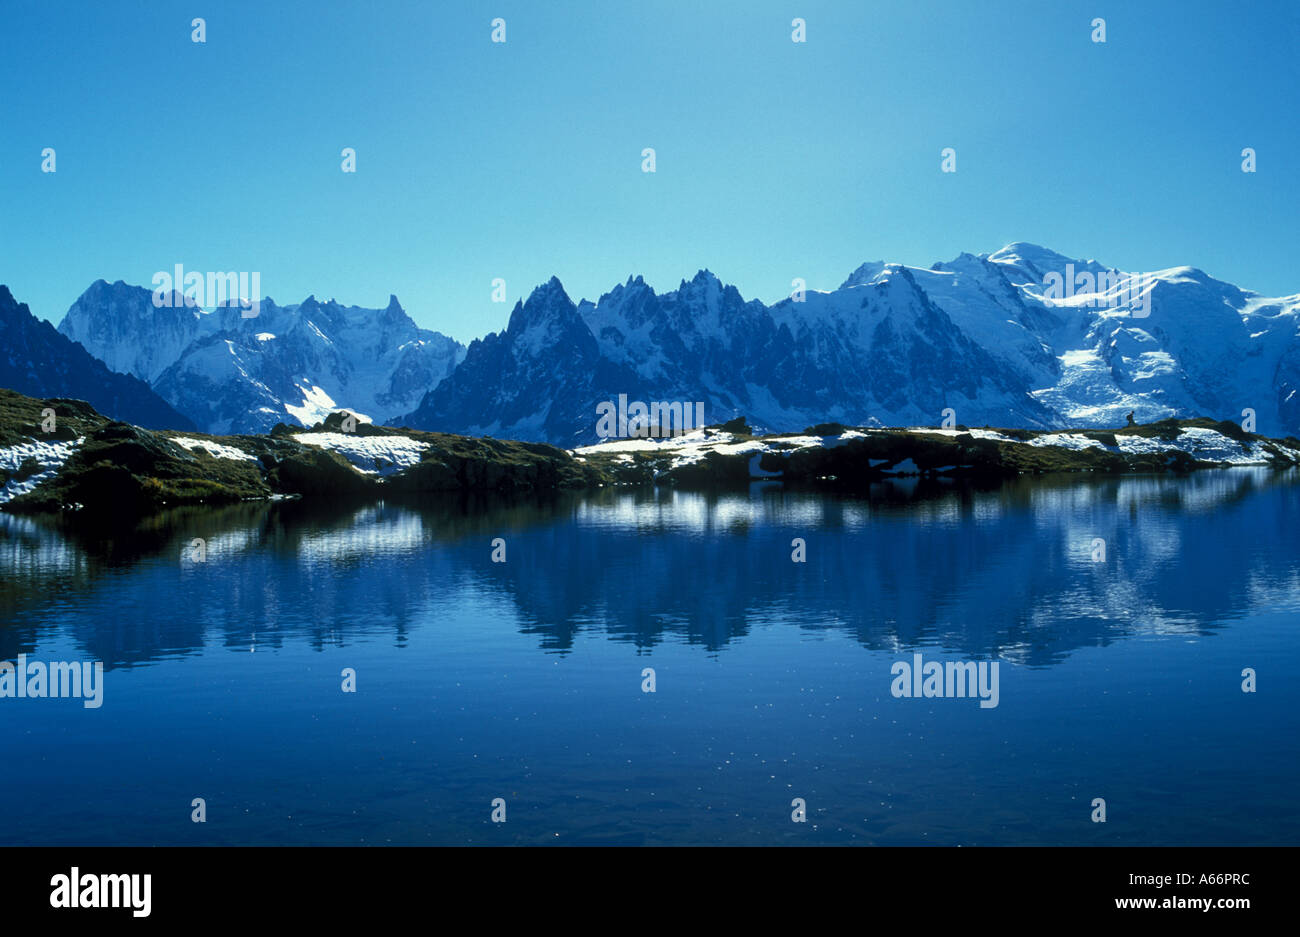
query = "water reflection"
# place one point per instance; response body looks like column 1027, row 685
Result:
column 1006, row 571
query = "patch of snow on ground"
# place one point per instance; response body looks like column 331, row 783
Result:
column 373, row 455
column 1213, row 446
column 801, row 442
column 49, row 456
column 688, row 455
column 1066, row 441
column 663, row 444
column 214, row 449
column 690, row 448
column 1204, row 444
column 977, row 433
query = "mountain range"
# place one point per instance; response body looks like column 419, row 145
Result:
column 294, row 364
column 986, row 336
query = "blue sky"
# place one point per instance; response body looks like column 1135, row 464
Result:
column 521, row 160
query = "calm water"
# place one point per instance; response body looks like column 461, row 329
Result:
column 523, row 680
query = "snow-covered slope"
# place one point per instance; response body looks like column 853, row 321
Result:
column 290, row 364
column 983, row 335
column 26, row 464
column 120, row 326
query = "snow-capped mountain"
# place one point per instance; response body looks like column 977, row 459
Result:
column 37, row 361
column 1000, row 338
column 290, row 364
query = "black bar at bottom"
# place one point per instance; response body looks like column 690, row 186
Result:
column 332, row 885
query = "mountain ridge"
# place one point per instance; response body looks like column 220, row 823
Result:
column 232, row 373
column 982, row 335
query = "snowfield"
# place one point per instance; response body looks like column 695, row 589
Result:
column 1067, row 441
column 691, row 447
column 977, row 433
column 373, row 455
column 1205, row 445
column 214, row 449
column 49, row 456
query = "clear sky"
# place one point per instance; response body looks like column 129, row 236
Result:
column 521, row 160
